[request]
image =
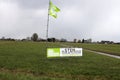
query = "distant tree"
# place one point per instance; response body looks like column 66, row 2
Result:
column 89, row 40
column 79, row 41
column 83, row 40
column 10, row 39
column 23, row 39
column 63, row 40
column 34, row 37
column 28, row 38
column 51, row 39
column 3, row 38
column 75, row 40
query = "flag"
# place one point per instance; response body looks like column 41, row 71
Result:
column 53, row 10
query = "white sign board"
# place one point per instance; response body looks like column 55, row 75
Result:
column 64, row 52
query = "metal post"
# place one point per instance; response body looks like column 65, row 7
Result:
column 48, row 22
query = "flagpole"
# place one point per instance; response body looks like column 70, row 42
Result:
column 47, row 21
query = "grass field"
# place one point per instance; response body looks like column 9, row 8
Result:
column 28, row 61
column 107, row 48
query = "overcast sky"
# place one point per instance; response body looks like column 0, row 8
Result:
column 96, row 19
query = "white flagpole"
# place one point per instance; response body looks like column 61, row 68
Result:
column 48, row 22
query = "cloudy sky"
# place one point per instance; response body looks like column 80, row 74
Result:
column 96, row 19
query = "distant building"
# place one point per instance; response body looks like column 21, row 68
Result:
column 87, row 41
column 107, row 42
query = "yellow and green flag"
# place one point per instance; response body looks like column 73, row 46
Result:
column 53, row 10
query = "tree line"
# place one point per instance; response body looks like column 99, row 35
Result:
column 36, row 38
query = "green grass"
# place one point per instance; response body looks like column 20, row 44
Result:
column 107, row 48
column 28, row 61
